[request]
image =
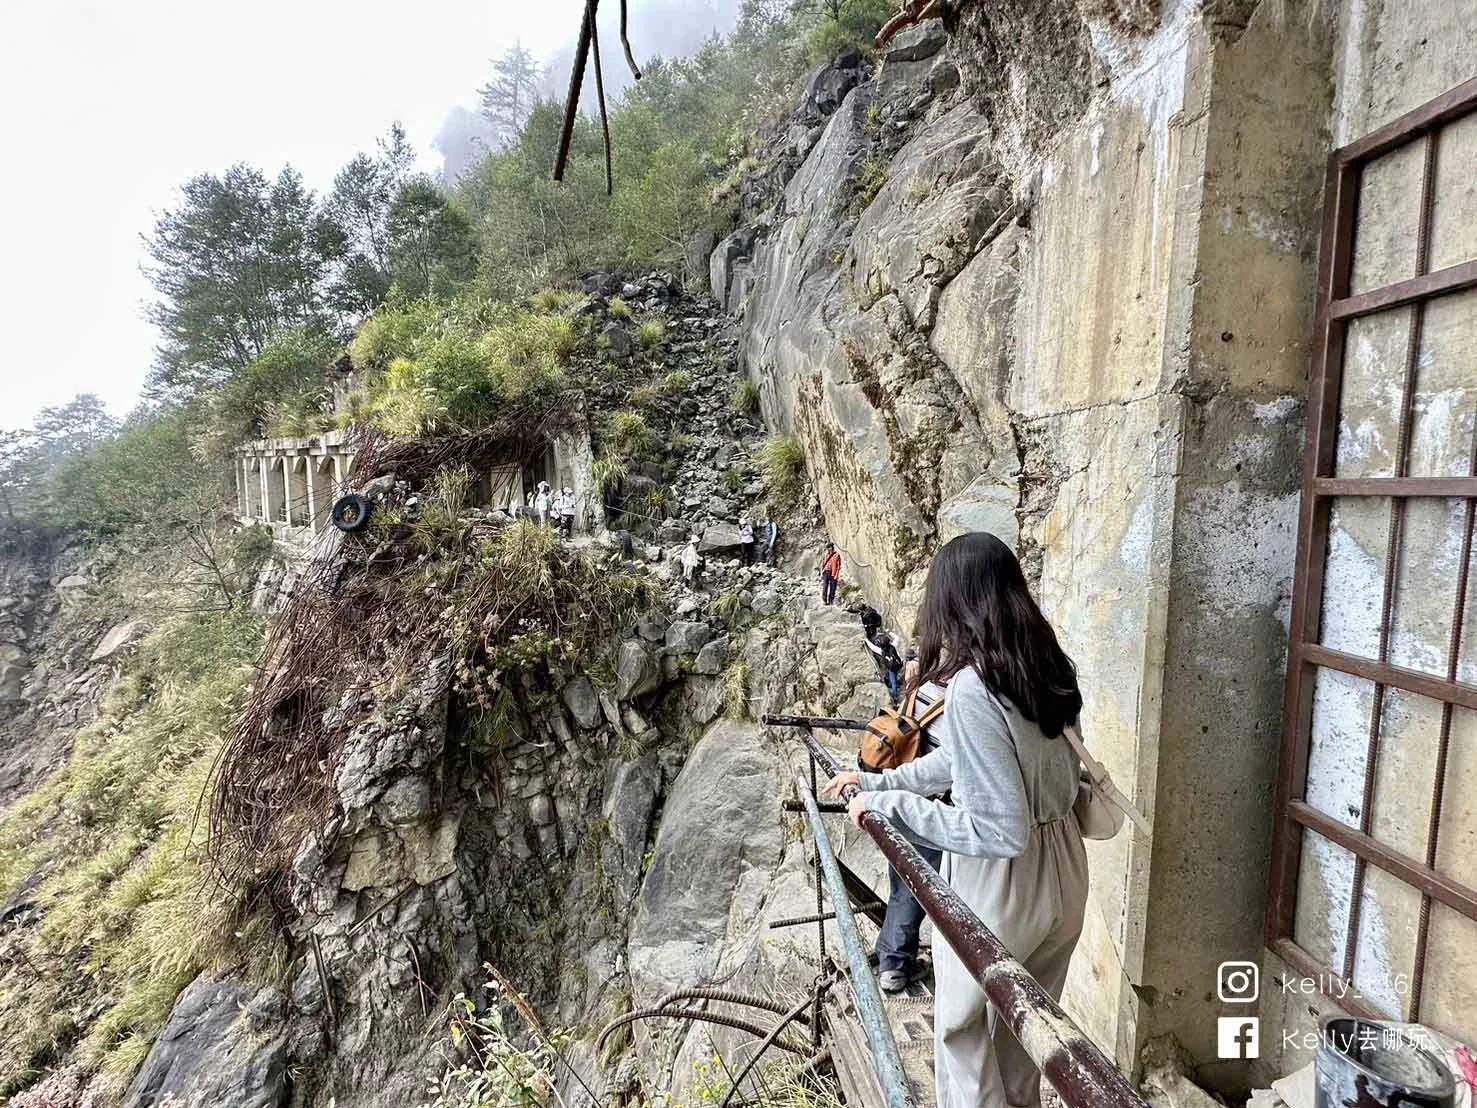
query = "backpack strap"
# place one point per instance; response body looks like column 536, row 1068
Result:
column 931, row 713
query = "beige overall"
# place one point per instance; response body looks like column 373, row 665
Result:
column 1034, row 904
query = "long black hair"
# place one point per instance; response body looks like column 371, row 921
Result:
column 978, row 612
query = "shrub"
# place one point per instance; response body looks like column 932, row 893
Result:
column 629, row 435
column 871, row 179
column 442, row 363
column 551, row 300
column 651, row 333
column 782, row 458
column 678, row 381
column 736, row 690
column 643, row 396
column 608, row 472
column 745, row 397
column 618, row 307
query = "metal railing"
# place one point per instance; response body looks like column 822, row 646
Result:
column 1079, row 1072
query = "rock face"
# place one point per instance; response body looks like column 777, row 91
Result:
column 224, row 1047
column 842, row 317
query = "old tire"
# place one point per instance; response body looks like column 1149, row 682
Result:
column 351, row 513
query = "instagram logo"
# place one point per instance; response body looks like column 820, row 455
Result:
column 1238, row 982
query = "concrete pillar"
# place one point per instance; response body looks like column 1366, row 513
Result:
column 310, row 464
column 265, row 513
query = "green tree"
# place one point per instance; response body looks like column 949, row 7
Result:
column 509, row 98
column 360, row 202
column 433, row 247
column 239, row 259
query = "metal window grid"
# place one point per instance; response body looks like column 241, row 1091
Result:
column 1336, row 309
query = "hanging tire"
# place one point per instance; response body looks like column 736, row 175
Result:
column 351, row 513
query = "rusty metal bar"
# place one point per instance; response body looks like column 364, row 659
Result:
column 698, row 1015
column 1335, row 265
column 1413, row 290
column 885, row 1058
column 1080, row 1073
column 825, row 723
column 1450, row 105
column 1395, row 544
column 1441, row 488
column 828, row 807
column 790, row 1016
column 1395, row 677
column 1369, row 849
column 576, row 84
column 821, row 917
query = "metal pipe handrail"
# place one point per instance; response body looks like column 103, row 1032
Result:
column 1080, row 1073
column 885, row 1057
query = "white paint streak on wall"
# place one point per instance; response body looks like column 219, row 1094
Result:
column 1351, row 598
column 1275, row 411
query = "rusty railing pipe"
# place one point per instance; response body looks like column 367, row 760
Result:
column 1080, row 1073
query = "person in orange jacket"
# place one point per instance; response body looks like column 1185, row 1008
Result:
column 830, row 572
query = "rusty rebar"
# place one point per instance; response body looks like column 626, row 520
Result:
column 790, row 1017
column 698, row 1015
column 725, row 996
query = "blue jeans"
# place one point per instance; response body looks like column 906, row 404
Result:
column 828, row 588
column 894, row 685
column 897, row 942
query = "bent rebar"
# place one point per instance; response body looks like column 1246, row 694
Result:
column 693, row 1014
column 708, row 992
column 790, row 1017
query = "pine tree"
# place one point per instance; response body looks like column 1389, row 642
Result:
column 509, row 98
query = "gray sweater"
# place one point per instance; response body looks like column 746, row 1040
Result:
column 1007, row 778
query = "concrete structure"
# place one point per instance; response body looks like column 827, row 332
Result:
column 291, row 484
column 1114, row 282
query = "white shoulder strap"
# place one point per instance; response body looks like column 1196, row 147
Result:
column 1103, row 783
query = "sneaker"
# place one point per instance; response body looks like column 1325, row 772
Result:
column 893, row 980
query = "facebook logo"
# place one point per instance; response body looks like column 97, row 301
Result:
column 1238, row 1037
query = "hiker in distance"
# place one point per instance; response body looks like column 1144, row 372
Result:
column 1012, row 846
column 830, row 572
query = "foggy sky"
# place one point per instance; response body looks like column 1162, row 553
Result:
column 110, row 107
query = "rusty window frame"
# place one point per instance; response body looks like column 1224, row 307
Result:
column 1335, row 309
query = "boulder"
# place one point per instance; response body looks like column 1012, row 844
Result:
column 119, row 639
column 617, row 340
column 636, row 670
column 711, row 657
column 14, row 666
column 918, row 42
column 225, row 1046
column 696, row 251
column 828, row 84
column 720, row 840
column 719, row 536
column 630, row 799
column 726, row 260
column 687, row 636
column 582, row 701
column 767, row 602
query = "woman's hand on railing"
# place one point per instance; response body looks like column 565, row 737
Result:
column 855, row 807
column 833, row 788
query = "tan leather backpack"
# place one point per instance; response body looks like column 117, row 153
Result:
column 895, row 735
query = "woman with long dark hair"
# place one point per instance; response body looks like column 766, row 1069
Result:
column 1013, row 850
